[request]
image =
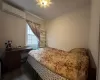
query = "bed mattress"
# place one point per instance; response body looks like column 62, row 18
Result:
column 53, row 64
column 44, row 72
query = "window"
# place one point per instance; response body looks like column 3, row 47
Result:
column 32, row 40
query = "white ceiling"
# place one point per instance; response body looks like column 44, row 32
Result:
column 58, row 7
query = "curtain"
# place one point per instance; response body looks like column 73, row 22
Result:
column 39, row 31
column 35, row 28
column 42, row 37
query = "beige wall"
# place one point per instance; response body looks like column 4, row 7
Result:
column 69, row 30
column 13, row 28
column 94, row 32
column 34, row 18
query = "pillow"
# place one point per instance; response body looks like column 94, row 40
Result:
column 79, row 50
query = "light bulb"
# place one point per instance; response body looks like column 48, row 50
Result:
column 44, row 3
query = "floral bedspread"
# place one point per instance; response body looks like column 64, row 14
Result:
column 72, row 65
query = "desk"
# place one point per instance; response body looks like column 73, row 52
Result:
column 12, row 59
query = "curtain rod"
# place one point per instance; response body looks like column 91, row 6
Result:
column 32, row 21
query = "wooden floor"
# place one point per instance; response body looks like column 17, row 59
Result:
column 24, row 73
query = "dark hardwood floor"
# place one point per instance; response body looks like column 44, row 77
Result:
column 24, row 73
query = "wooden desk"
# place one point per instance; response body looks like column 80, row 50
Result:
column 12, row 59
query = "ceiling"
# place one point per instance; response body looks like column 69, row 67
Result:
column 56, row 9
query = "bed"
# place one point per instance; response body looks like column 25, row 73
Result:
column 54, row 64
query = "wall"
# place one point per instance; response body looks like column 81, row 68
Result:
column 34, row 18
column 69, row 30
column 13, row 28
column 94, row 32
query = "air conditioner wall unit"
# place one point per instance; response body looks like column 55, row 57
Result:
column 12, row 10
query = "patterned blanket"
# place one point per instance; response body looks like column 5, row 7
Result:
column 72, row 65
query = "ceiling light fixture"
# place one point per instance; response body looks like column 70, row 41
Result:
column 44, row 3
